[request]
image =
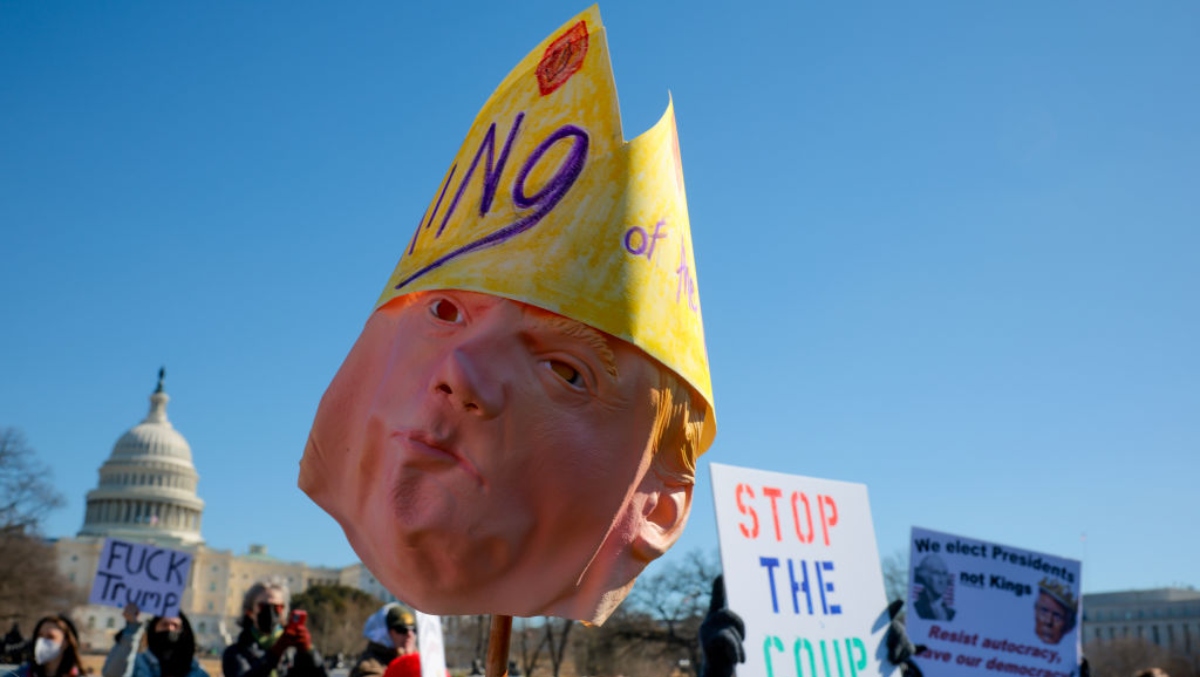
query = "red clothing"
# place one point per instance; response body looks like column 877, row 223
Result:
column 408, row 665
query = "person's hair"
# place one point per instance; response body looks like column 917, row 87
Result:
column 70, row 651
column 1151, row 672
column 259, row 587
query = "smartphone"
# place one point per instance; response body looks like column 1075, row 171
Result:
column 299, row 617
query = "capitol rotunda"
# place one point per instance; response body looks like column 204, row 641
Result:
column 147, row 488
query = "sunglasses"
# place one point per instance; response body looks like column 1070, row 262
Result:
column 404, row 630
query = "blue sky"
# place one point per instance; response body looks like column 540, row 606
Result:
column 950, row 250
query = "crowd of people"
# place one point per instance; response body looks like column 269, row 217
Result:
column 276, row 642
column 273, row 642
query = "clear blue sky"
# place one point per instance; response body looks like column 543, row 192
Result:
column 950, row 250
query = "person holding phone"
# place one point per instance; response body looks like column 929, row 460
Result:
column 267, row 647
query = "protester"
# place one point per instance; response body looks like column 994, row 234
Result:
column 900, row 648
column 55, row 649
column 723, row 633
column 14, row 645
column 391, row 632
column 266, row 647
column 170, row 648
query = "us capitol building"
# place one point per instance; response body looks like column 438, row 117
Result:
column 147, row 494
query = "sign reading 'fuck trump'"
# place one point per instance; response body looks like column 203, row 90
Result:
column 149, row 576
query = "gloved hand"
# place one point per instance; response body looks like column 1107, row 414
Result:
column 900, row 647
column 721, row 635
column 297, row 635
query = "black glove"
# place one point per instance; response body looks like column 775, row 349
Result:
column 900, row 647
column 721, row 636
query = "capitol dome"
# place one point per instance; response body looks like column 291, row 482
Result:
column 147, row 489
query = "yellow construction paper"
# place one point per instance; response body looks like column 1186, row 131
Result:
column 545, row 203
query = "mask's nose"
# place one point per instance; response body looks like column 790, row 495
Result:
column 470, row 377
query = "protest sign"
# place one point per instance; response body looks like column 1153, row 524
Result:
column 802, row 569
column 983, row 608
column 431, row 645
column 149, row 576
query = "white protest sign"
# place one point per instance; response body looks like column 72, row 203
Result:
column 431, row 645
column 802, row 569
column 149, row 576
column 982, row 608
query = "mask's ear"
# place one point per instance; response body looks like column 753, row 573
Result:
column 663, row 512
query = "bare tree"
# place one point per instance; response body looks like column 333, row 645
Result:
column 895, row 575
column 655, row 630
column 558, row 631
column 26, row 492
column 30, row 583
column 1125, row 656
column 530, row 642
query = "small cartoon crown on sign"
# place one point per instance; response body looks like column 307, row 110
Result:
column 1059, row 592
column 547, row 204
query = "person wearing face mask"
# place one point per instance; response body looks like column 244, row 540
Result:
column 170, row 648
column 266, row 646
column 55, row 650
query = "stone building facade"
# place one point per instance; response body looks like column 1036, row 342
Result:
column 1166, row 617
column 147, row 492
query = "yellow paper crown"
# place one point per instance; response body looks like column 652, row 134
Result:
column 546, row 204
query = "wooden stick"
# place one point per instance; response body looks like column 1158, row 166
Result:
column 497, row 651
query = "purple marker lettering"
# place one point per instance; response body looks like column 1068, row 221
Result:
column 641, row 240
column 491, row 172
column 412, row 244
column 658, row 235
column 686, row 284
column 545, row 199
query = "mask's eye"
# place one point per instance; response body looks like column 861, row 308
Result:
column 445, row 310
column 566, row 372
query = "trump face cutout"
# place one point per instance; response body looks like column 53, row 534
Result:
column 489, row 454
column 516, row 429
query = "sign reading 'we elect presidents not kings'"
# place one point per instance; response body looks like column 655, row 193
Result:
column 802, row 569
column 983, row 608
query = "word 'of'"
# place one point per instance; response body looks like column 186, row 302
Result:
column 796, row 587
column 639, row 241
column 803, row 528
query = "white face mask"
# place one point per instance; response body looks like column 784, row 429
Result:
column 46, row 650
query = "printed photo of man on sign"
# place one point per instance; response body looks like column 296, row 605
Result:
column 985, row 607
column 516, row 429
